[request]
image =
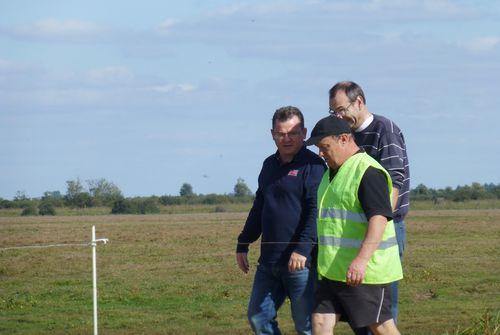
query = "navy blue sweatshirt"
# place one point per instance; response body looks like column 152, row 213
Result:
column 285, row 209
column 384, row 141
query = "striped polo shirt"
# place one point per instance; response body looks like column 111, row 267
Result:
column 383, row 140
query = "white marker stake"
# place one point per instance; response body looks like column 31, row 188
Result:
column 94, row 273
column 94, row 278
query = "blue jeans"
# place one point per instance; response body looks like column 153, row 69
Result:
column 400, row 228
column 271, row 286
column 401, row 238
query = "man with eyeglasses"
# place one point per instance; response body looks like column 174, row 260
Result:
column 284, row 216
column 383, row 140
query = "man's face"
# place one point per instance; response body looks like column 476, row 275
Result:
column 288, row 136
column 330, row 150
column 345, row 109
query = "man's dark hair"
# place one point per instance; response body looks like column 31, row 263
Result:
column 286, row 113
column 351, row 89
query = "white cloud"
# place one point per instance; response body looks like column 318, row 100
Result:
column 256, row 9
column 482, row 44
column 110, row 74
column 13, row 67
column 112, row 87
column 166, row 25
column 375, row 10
column 174, row 88
column 58, row 30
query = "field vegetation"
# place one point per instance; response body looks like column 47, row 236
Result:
column 104, row 197
column 176, row 273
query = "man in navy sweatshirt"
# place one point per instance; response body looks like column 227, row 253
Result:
column 383, row 140
column 284, row 216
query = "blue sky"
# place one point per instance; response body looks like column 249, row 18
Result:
column 152, row 94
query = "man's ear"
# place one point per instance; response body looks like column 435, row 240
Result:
column 304, row 131
column 344, row 138
column 359, row 101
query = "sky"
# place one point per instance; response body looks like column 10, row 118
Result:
column 152, row 94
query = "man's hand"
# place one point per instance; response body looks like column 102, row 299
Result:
column 356, row 271
column 297, row 262
column 242, row 260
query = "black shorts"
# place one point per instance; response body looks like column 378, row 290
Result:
column 361, row 305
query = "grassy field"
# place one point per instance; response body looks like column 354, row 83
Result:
column 245, row 207
column 176, row 274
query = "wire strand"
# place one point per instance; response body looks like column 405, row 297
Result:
column 47, row 246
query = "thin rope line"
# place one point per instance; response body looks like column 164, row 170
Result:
column 277, row 242
column 47, row 246
column 282, row 242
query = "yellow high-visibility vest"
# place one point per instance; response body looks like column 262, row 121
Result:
column 342, row 226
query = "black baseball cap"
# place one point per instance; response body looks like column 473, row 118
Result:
column 330, row 125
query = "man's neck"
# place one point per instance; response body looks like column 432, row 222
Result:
column 364, row 124
column 350, row 151
column 363, row 117
column 285, row 159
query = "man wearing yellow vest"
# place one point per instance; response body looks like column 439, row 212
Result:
column 358, row 253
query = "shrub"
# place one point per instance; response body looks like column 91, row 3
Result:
column 29, row 210
column 168, row 200
column 122, row 206
column 46, row 208
column 4, row 203
column 149, row 206
column 220, row 209
column 136, row 206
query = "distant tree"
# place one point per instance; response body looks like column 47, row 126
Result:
column 82, row 200
column 462, row 193
column 186, row 190
column 21, row 200
column 73, row 189
column 421, row 192
column 103, row 192
column 478, row 191
column 52, row 195
column 55, row 198
column 447, row 193
column 241, row 189
column 20, row 196
column 493, row 190
column 4, row 203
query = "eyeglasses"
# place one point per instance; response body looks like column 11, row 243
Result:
column 340, row 111
column 292, row 135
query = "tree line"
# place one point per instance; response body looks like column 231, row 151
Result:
column 103, row 193
column 475, row 191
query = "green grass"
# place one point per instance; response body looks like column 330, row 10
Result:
column 447, row 204
column 172, row 209
column 176, row 274
column 245, row 207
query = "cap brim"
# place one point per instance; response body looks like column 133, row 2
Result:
column 313, row 140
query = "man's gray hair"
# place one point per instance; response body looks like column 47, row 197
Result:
column 351, row 89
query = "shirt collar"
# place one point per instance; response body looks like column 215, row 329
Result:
column 297, row 156
column 365, row 124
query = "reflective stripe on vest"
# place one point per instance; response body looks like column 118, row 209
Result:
column 335, row 213
column 352, row 243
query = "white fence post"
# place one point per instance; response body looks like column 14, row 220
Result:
column 94, row 274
